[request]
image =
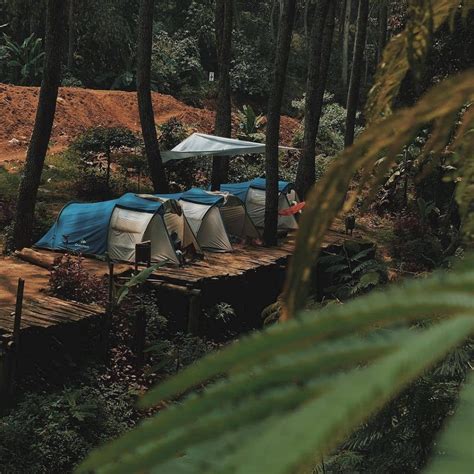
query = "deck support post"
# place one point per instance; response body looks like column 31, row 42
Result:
column 107, row 318
column 194, row 311
column 13, row 352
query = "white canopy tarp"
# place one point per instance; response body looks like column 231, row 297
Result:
column 199, row 144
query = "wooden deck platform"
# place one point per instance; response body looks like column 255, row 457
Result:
column 216, row 274
column 40, row 310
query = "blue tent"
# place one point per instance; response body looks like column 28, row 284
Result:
column 217, row 219
column 116, row 226
column 241, row 189
column 253, row 194
column 85, row 226
column 197, row 196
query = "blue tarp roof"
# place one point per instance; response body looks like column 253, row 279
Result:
column 196, row 195
column 86, row 225
column 240, row 189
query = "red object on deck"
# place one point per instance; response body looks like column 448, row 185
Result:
column 292, row 210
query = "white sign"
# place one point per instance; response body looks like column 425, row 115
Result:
column 211, row 77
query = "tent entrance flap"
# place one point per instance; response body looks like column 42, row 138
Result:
column 128, row 228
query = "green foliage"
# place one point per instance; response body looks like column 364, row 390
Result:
column 96, row 148
column 50, row 433
column 68, row 80
column 22, row 63
column 278, row 382
column 104, row 140
column 352, row 271
column 454, row 453
column 250, row 125
column 106, row 40
column 250, row 69
column 172, row 132
column 136, row 280
column 330, row 139
column 176, row 67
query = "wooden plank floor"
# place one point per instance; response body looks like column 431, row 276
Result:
column 42, row 310
column 39, row 309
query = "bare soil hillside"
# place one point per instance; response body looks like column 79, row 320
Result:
column 78, row 109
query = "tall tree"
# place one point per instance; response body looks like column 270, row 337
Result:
column 382, row 28
column 35, row 156
column 71, row 43
column 356, row 72
column 318, row 66
column 145, row 104
column 282, row 52
column 345, row 43
column 223, row 123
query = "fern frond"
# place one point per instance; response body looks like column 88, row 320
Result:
column 454, row 452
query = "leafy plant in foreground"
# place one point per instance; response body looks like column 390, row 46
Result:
column 271, row 386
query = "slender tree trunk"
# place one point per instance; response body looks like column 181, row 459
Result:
column 356, row 73
column 320, row 54
column 310, row 7
column 382, row 28
column 342, row 16
column 223, row 123
column 145, row 104
column 30, row 181
column 345, row 44
column 71, row 44
column 282, row 52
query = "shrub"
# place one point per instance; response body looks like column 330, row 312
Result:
column 53, row 433
column 172, row 132
column 415, row 245
column 68, row 80
column 69, row 279
column 96, row 147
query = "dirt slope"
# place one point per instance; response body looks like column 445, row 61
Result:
column 78, row 109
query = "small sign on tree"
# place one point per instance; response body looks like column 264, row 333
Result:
column 211, row 76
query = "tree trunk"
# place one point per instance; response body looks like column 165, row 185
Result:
column 223, row 123
column 285, row 30
column 345, row 44
column 71, row 36
column 382, row 29
column 320, row 53
column 145, row 105
column 356, row 74
column 30, row 181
